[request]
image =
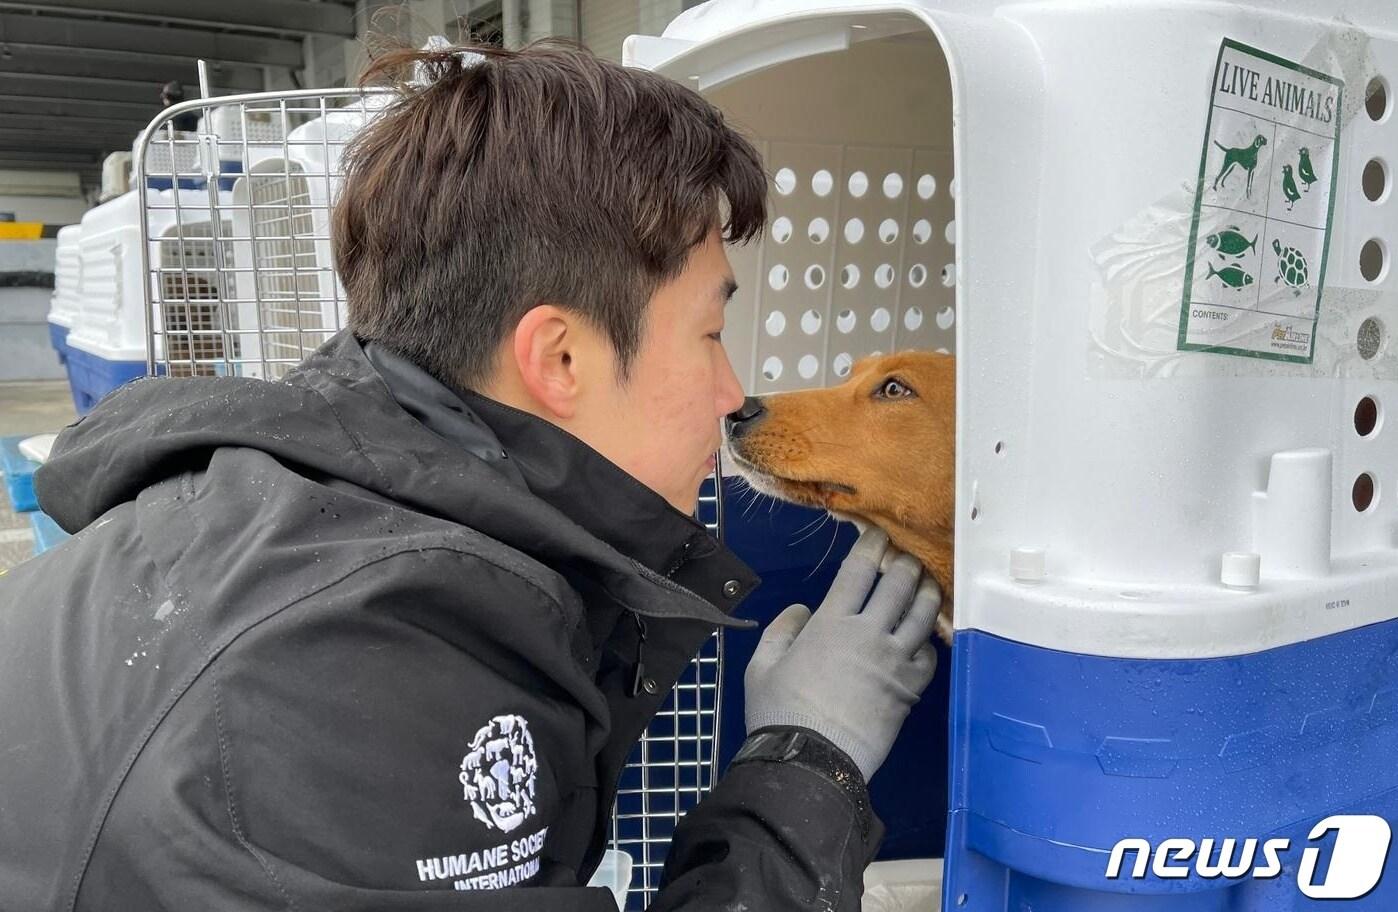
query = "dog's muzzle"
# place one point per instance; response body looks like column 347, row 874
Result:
column 745, row 418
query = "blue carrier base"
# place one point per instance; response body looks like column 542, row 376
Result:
column 91, row 377
column 1059, row 756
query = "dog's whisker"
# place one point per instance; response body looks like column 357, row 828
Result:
column 822, row 520
column 752, row 501
column 834, row 535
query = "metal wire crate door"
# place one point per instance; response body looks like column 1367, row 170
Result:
column 240, row 281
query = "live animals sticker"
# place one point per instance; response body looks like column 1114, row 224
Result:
column 1263, row 209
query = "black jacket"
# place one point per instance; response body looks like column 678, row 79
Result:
column 351, row 642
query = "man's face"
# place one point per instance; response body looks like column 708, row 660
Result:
column 662, row 425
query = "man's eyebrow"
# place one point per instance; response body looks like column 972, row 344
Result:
column 726, row 290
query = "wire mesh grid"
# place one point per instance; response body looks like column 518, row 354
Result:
column 236, row 230
column 240, row 281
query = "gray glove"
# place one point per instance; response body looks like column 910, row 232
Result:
column 850, row 675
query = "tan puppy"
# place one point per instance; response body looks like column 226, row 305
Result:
column 878, row 449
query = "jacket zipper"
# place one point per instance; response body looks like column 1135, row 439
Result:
column 638, row 675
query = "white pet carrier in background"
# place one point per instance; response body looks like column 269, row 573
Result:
column 107, row 341
column 286, row 285
column 67, row 294
column 190, row 299
column 116, row 176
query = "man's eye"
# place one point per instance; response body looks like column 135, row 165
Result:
column 893, row 388
column 717, row 337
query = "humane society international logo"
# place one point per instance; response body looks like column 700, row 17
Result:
column 497, row 774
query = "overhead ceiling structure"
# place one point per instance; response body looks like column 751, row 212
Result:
column 80, row 78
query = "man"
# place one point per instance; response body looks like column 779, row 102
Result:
column 172, row 93
column 380, row 637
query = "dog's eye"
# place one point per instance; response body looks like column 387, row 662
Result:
column 893, row 388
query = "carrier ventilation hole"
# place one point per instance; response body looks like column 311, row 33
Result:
column 949, row 275
column 843, row 362
column 950, row 233
column 880, row 319
column 849, row 276
column 892, row 186
column 818, row 230
column 912, row 319
column 1366, row 416
column 917, row 276
column 807, row 366
column 786, row 181
column 946, row 317
column 922, row 231
column 1372, row 258
column 776, row 323
column 772, row 368
column 951, row 188
column 810, row 322
column 854, row 230
column 781, row 230
column 888, row 231
column 926, row 186
column 846, row 321
column 883, row 276
column 1376, row 99
column 778, row 277
column 815, row 277
column 858, row 184
column 1375, row 180
column 822, row 183
column 1365, row 492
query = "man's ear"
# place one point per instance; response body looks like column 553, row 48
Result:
column 544, row 343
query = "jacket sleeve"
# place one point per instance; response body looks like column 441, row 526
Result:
column 787, row 832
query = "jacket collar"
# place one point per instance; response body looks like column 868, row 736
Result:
column 604, row 502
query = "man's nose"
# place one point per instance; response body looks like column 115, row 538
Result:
column 745, row 418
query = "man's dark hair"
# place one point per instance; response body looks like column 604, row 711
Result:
column 506, row 179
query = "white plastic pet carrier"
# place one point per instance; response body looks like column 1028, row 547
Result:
column 67, row 295
column 190, row 299
column 111, row 319
column 1158, row 238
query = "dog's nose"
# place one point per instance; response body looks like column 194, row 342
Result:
column 745, row 418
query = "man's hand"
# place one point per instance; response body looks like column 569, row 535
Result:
column 848, row 674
